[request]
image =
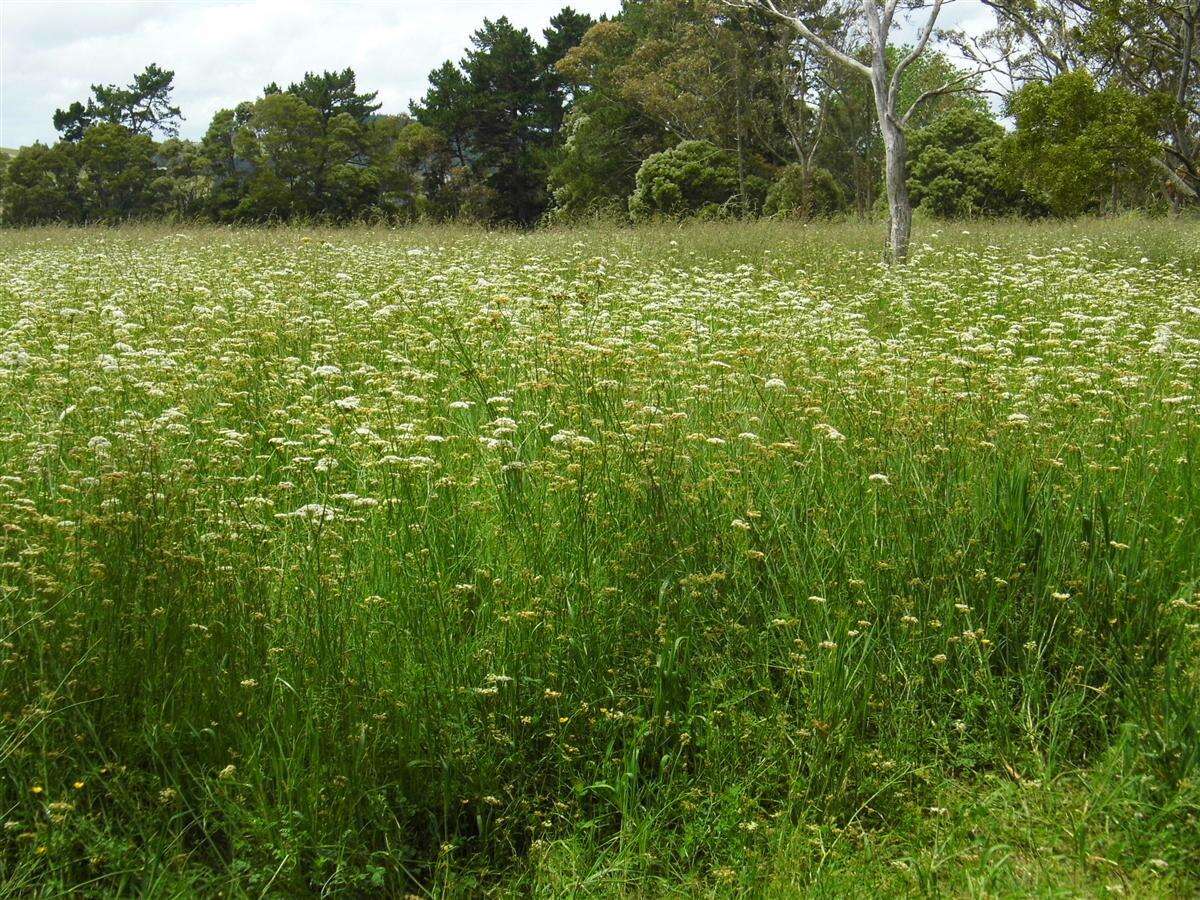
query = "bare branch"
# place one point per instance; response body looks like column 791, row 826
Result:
column 889, row 12
column 947, row 88
column 1172, row 176
column 1007, row 11
column 875, row 26
column 772, row 8
column 917, row 49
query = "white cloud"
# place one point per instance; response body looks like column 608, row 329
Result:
column 51, row 51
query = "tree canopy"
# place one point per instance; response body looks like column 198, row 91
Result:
column 610, row 117
column 143, row 106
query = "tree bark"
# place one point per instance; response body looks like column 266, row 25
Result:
column 1178, row 190
column 900, row 214
column 895, row 157
column 741, row 150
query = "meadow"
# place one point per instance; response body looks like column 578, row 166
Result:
column 710, row 561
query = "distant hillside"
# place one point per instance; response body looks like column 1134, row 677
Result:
column 8, row 151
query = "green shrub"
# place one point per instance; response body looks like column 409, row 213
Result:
column 691, row 178
column 956, row 169
column 1085, row 147
column 42, row 185
column 804, row 194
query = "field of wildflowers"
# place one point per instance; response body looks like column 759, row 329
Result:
column 713, row 560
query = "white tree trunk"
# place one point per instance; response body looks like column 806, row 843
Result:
column 900, row 215
column 878, row 16
column 895, row 155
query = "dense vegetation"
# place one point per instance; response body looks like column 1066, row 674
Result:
column 714, row 557
column 591, row 562
column 576, row 125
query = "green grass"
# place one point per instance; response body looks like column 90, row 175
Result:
column 704, row 561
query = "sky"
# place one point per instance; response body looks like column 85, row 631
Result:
column 223, row 52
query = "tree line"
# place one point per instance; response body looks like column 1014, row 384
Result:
column 671, row 108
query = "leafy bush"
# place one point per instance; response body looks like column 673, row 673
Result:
column 1085, row 147
column 41, row 184
column 106, row 176
column 956, row 169
column 691, row 178
column 804, row 194
column 594, row 169
column 116, row 172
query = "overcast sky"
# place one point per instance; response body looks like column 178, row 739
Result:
column 224, row 52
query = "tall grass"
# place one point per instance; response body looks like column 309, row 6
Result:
column 586, row 560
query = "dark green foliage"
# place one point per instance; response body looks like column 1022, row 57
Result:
column 599, row 159
column 334, row 93
column 116, row 172
column 1085, row 147
column 284, row 158
column 399, row 150
column 184, row 181
column 283, row 145
column 754, row 195
column 566, row 30
column 73, row 121
column 107, row 176
column 320, row 149
column 522, row 130
column 147, row 102
column 143, row 106
column 301, row 164
column 229, row 174
column 957, row 168
column 511, row 119
column 606, row 135
column 317, row 151
column 691, row 178
column 800, row 193
column 42, row 185
column 447, row 108
column 500, row 112
column 1150, row 48
column 335, row 182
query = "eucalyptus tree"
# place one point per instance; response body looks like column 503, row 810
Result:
column 880, row 20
